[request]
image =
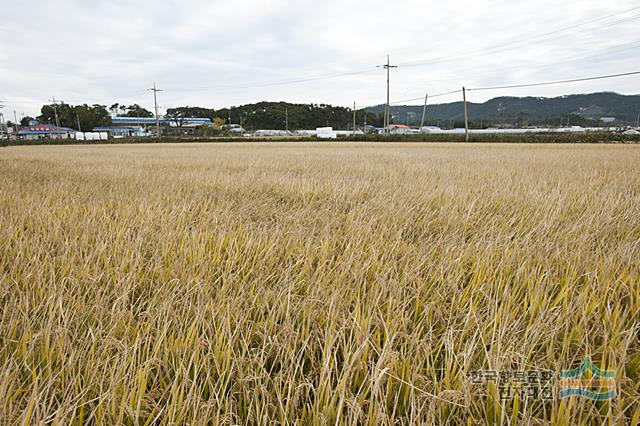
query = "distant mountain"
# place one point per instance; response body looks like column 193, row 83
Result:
column 577, row 109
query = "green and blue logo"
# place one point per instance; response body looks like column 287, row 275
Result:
column 588, row 381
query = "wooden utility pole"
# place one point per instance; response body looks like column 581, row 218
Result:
column 3, row 128
column 424, row 111
column 286, row 118
column 155, row 104
column 466, row 115
column 354, row 118
column 55, row 110
column 78, row 121
column 386, row 122
column 387, row 109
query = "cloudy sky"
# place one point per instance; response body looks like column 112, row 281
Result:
column 219, row 53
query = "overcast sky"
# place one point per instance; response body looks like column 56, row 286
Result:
column 219, row 53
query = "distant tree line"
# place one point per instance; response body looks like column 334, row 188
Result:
column 134, row 110
column 275, row 115
column 262, row 115
column 88, row 116
column 85, row 117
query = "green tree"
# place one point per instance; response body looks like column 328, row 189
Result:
column 177, row 115
column 188, row 111
column 25, row 120
column 91, row 117
column 68, row 116
column 136, row 110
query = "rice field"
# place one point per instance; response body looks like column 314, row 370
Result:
column 315, row 283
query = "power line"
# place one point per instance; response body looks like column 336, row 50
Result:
column 549, row 83
column 491, row 49
column 422, row 98
column 276, row 82
column 495, row 49
column 514, row 86
column 430, row 96
column 416, row 63
column 516, row 43
column 602, row 53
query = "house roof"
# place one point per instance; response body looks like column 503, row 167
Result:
column 44, row 129
column 119, row 128
column 163, row 120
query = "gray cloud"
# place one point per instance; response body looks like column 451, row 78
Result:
column 214, row 53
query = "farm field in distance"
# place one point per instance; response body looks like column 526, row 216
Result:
column 315, row 283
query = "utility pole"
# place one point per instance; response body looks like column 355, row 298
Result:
column 2, row 126
column 387, row 109
column 638, row 120
column 424, row 111
column 466, row 115
column 15, row 118
column 78, row 121
column 55, row 109
column 155, row 105
column 354, row 118
column 286, row 118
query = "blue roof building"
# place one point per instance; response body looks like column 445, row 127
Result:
column 122, row 131
column 45, row 131
column 150, row 121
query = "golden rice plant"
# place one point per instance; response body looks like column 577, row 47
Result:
column 314, row 283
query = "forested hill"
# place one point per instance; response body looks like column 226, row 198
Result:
column 582, row 109
column 576, row 109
